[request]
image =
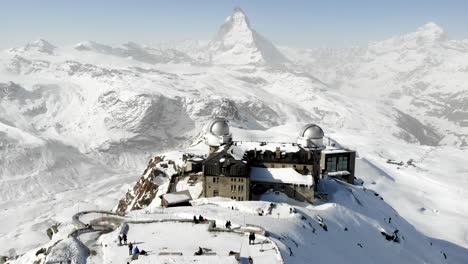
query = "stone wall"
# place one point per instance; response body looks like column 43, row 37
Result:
column 230, row 187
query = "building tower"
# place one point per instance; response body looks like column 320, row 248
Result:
column 311, row 139
column 217, row 134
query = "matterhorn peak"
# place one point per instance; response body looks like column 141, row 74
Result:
column 238, row 18
column 236, row 43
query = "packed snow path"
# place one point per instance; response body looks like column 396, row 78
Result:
column 217, row 241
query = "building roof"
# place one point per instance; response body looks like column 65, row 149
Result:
column 239, row 148
column 177, row 197
column 331, row 150
column 279, row 175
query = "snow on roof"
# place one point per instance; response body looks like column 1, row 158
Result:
column 279, row 175
column 329, row 150
column 238, row 149
column 177, row 197
column 338, row 173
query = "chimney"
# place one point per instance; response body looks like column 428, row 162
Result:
column 277, row 153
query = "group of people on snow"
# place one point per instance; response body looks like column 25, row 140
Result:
column 200, row 219
column 131, row 250
column 122, row 237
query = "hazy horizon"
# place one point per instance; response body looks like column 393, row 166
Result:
column 295, row 24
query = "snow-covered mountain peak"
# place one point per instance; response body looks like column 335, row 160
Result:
column 238, row 19
column 93, row 46
column 236, row 43
column 40, row 45
column 431, row 32
column 428, row 35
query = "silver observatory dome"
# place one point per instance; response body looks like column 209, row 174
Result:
column 311, row 136
column 218, row 127
column 311, row 131
column 217, row 132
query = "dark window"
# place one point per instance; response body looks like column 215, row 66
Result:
column 331, row 163
column 215, row 193
column 342, row 163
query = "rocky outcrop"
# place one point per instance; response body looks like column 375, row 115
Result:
column 144, row 190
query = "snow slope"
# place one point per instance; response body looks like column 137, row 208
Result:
column 347, row 228
column 78, row 123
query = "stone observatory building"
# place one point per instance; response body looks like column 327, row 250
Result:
column 245, row 170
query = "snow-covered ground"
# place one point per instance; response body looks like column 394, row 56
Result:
column 184, row 238
column 79, row 123
column 347, row 227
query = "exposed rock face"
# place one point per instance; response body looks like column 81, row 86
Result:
column 144, row 190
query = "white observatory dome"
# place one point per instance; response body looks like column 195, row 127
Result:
column 218, row 127
column 217, row 132
column 311, row 136
column 311, row 131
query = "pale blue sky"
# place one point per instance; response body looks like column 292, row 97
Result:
column 292, row 23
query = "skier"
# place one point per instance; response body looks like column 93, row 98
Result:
column 130, row 248
column 124, row 239
column 250, row 260
column 195, row 220
column 200, row 218
column 120, row 239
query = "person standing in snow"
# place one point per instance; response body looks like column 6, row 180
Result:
column 124, row 239
column 130, row 248
column 136, row 250
column 252, row 238
column 120, row 239
column 250, row 260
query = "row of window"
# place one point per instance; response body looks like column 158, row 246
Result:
column 216, row 180
column 239, row 188
column 240, row 198
column 299, row 167
column 235, row 180
column 337, row 163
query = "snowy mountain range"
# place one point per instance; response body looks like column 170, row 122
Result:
column 77, row 121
